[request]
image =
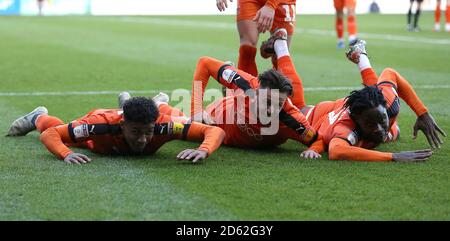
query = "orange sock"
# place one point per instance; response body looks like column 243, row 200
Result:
column 169, row 110
column 339, row 27
column 44, row 122
column 247, row 61
column 437, row 14
column 351, row 25
column 287, row 68
column 369, row 77
column 447, row 14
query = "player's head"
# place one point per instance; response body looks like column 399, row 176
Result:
column 140, row 115
column 368, row 110
column 274, row 80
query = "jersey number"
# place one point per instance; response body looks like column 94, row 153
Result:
column 289, row 12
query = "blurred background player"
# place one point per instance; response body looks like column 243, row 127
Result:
column 255, row 17
column 350, row 5
column 40, row 4
column 437, row 16
column 414, row 27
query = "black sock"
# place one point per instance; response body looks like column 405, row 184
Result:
column 409, row 16
column 416, row 18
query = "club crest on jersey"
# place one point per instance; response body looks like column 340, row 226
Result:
column 228, row 75
column 81, row 131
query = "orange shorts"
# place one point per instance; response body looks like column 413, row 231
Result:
column 284, row 14
column 340, row 4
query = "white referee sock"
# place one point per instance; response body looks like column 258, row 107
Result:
column 281, row 48
column 364, row 62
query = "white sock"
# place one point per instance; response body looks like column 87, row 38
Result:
column 447, row 27
column 364, row 62
column 351, row 38
column 437, row 27
column 281, row 48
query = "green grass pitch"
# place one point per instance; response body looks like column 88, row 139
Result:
column 62, row 54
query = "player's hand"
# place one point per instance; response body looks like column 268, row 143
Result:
column 194, row 155
column 222, row 4
column 77, row 158
column 412, row 156
column 310, row 154
column 264, row 19
column 430, row 129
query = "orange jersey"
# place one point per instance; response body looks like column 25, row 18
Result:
column 245, row 131
column 292, row 123
column 284, row 12
column 100, row 132
column 337, row 131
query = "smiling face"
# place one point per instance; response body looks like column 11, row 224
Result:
column 137, row 135
column 373, row 124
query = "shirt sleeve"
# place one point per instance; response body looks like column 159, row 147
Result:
column 54, row 138
column 211, row 136
column 392, row 81
column 273, row 3
column 340, row 149
column 293, row 118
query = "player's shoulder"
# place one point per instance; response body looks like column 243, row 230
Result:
column 107, row 116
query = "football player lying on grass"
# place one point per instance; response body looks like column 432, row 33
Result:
column 350, row 126
column 142, row 127
column 256, row 104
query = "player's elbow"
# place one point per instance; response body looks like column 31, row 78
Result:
column 220, row 133
column 203, row 61
column 336, row 154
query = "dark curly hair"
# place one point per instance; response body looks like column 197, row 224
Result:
column 140, row 110
column 275, row 80
column 367, row 98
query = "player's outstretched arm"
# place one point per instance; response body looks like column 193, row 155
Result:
column 222, row 5
column 340, row 149
column 425, row 121
column 211, row 137
column 54, row 138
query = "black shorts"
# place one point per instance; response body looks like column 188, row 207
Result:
column 419, row 1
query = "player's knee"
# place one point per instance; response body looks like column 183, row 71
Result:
column 203, row 61
column 249, row 42
column 388, row 71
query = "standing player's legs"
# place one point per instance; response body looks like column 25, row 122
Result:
column 286, row 66
column 447, row 16
column 248, row 35
column 285, row 17
column 351, row 20
column 40, row 4
column 339, row 6
column 417, row 15
column 410, row 26
column 437, row 16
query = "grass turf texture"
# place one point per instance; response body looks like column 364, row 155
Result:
column 152, row 53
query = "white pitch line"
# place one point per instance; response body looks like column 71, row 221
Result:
column 232, row 26
column 116, row 92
